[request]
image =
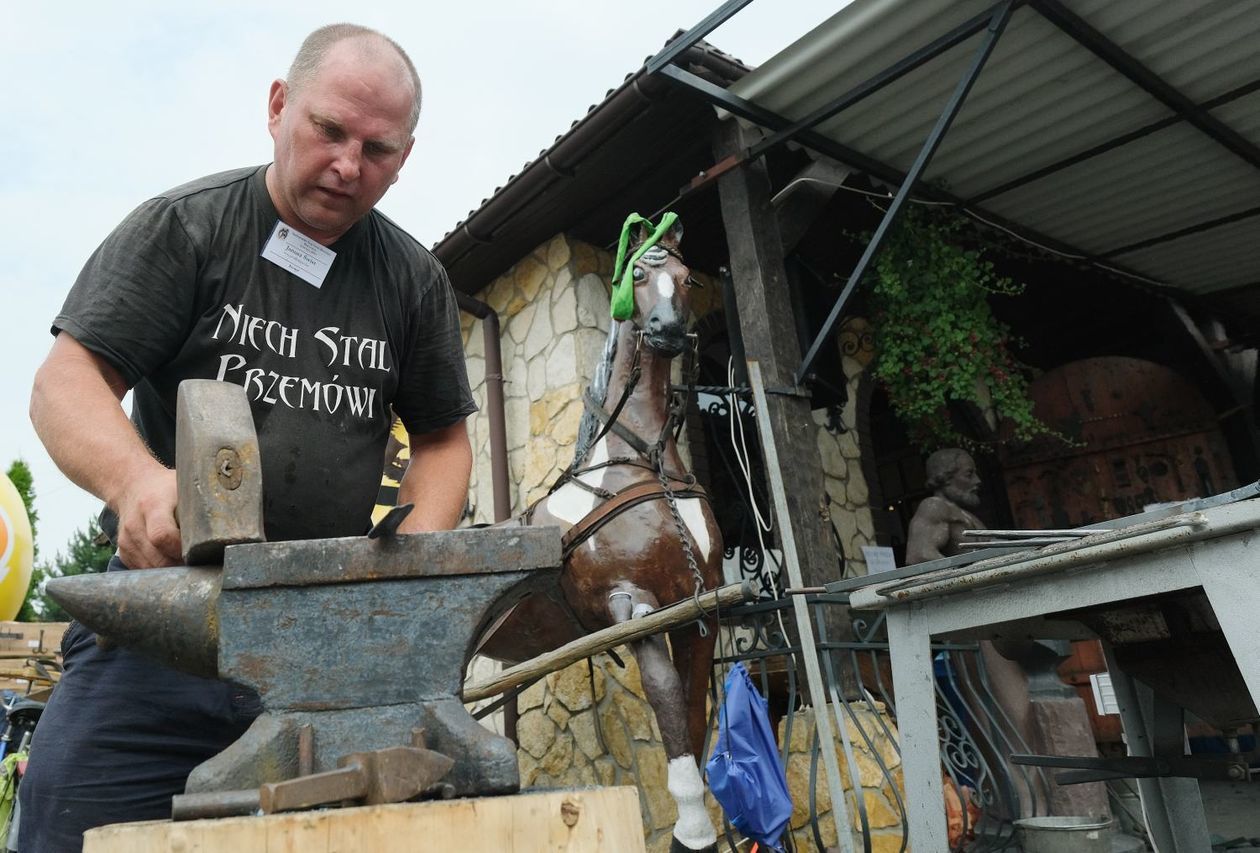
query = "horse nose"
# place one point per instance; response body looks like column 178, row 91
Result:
column 654, row 323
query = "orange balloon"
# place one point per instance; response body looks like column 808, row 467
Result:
column 17, row 549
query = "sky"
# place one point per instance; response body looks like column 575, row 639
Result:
column 107, row 104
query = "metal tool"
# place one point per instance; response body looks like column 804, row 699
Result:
column 362, row 639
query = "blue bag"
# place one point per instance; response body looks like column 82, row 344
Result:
column 745, row 774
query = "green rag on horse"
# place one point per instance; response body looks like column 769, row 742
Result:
column 622, row 306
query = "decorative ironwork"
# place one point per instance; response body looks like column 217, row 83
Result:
column 975, row 734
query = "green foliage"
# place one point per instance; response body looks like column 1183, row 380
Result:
column 19, row 474
column 937, row 339
column 84, row 553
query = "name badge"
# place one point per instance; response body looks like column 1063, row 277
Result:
column 292, row 250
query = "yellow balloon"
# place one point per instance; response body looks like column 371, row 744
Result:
column 17, row 549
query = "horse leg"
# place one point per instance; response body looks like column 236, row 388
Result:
column 693, row 829
column 693, row 658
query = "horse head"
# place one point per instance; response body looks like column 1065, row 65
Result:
column 662, row 284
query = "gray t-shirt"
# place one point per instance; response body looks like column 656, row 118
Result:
column 179, row 291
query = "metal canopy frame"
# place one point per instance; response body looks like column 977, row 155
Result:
column 994, row 20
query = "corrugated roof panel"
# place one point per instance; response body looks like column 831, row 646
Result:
column 1163, row 182
column 1243, row 115
column 1042, row 98
column 1200, row 48
column 1213, row 260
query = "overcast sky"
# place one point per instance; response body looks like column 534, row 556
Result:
column 107, row 104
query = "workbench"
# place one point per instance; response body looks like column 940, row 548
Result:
column 1210, row 544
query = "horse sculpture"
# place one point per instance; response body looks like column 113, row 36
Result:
column 640, row 533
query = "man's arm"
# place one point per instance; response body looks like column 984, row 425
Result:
column 437, row 478
column 76, row 413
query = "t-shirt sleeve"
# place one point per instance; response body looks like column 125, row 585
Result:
column 133, row 301
column 433, row 387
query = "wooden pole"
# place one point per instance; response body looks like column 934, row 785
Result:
column 664, row 619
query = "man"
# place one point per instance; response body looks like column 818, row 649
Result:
column 329, row 328
column 938, row 523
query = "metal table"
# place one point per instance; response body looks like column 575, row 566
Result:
column 1209, row 547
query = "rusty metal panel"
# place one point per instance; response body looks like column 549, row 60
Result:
column 1140, row 435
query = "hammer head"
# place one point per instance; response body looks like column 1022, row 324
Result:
column 217, row 468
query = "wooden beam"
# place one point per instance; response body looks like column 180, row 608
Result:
column 769, row 333
column 664, row 619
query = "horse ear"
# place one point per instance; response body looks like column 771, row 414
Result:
column 640, row 233
column 673, row 236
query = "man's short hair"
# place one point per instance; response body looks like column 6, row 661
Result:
column 316, row 46
column 941, row 466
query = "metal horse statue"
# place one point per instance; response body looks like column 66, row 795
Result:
column 640, row 532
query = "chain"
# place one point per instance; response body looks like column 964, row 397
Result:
column 677, row 414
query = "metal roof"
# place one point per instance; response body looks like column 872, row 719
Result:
column 1151, row 108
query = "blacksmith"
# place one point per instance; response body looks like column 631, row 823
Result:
column 285, row 280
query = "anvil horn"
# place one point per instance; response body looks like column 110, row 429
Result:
column 169, row 615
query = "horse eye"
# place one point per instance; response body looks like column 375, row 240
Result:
column 639, row 275
column 695, row 282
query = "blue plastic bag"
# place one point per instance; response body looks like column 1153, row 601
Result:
column 745, row 774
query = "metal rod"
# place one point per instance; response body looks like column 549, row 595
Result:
column 711, row 22
column 1228, row 219
column 1109, row 52
column 870, row 86
column 804, row 626
column 1030, row 542
column 1022, row 534
column 997, row 23
column 1123, row 534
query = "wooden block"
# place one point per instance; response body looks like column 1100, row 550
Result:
column 578, row 820
column 218, row 470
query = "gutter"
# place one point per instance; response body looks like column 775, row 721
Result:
column 494, row 403
column 561, row 162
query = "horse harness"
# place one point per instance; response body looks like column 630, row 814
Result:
column 651, row 457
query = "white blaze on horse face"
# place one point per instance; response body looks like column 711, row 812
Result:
column 692, row 513
column 665, row 285
column 572, row 503
column 693, row 828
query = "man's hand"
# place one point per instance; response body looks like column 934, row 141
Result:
column 148, row 533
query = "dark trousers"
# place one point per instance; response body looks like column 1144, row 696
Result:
column 118, row 739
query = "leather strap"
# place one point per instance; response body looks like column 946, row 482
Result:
column 619, row 503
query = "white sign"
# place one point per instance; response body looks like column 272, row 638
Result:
column 878, row 559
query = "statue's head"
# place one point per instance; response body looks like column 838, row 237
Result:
column 951, row 474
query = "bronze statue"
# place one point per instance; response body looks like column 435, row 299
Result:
column 941, row 518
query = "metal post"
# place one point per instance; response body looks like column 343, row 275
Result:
column 804, row 626
column 997, row 23
column 710, row 23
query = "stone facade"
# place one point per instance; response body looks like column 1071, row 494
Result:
column 872, row 737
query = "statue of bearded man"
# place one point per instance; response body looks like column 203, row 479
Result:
column 941, row 518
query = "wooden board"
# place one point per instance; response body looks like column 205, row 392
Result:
column 576, row 820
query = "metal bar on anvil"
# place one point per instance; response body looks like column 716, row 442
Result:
column 445, row 553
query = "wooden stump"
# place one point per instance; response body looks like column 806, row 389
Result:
column 569, row 820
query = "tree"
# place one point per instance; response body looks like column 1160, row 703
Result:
column 87, row 551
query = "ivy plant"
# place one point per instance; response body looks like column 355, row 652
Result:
column 936, row 338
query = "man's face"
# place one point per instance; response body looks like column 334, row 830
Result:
column 963, row 486
column 339, row 140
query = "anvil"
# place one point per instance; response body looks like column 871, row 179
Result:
column 364, row 639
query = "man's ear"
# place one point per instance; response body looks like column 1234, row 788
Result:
column 406, row 153
column 276, row 99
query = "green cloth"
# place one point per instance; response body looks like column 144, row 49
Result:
column 8, row 789
column 622, row 306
